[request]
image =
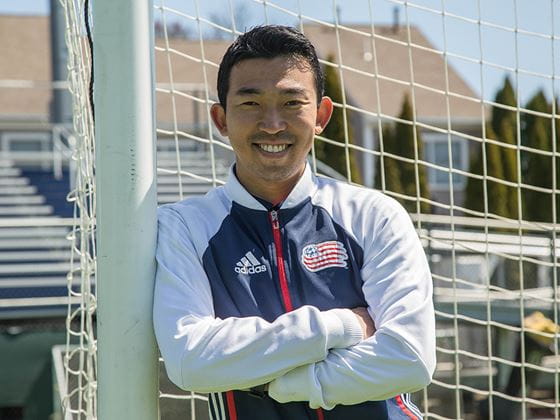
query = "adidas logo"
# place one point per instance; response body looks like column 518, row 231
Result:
column 249, row 265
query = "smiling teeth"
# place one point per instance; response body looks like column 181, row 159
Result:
column 273, row 148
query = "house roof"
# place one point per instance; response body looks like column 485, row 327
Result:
column 396, row 70
column 25, row 53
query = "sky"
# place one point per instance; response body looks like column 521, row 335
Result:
column 534, row 50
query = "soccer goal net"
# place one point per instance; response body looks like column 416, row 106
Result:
column 449, row 107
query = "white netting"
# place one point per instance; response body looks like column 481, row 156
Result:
column 472, row 156
column 493, row 273
column 80, row 356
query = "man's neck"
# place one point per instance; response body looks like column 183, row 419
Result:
column 273, row 192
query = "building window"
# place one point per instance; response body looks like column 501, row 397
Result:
column 436, row 151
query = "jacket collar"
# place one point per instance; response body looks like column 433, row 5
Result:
column 305, row 187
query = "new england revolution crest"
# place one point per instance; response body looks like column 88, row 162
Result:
column 316, row 257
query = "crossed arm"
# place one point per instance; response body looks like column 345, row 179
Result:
column 323, row 357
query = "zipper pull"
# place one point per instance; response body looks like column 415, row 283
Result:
column 274, row 219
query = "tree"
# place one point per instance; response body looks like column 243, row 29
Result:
column 496, row 191
column 404, row 141
column 537, row 134
column 330, row 154
column 501, row 162
column 401, row 176
column 390, row 165
column 505, row 96
column 504, row 129
column 537, row 168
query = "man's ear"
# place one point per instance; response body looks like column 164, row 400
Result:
column 218, row 114
column 324, row 112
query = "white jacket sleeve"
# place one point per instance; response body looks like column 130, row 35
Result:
column 207, row 354
column 400, row 356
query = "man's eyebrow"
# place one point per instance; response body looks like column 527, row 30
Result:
column 244, row 91
column 294, row 91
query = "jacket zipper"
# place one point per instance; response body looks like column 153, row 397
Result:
column 287, row 300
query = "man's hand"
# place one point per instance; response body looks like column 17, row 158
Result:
column 368, row 327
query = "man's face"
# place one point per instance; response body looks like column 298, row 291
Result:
column 272, row 117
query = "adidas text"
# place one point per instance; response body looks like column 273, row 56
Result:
column 249, row 264
column 251, row 270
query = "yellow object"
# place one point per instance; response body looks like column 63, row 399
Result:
column 540, row 323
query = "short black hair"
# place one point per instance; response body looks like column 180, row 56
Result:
column 269, row 41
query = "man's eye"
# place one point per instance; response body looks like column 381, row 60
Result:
column 294, row 103
column 249, row 103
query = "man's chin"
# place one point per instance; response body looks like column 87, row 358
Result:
column 274, row 173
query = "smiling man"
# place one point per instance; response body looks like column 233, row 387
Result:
column 284, row 295
column 273, row 113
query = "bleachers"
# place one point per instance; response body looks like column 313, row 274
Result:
column 34, row 262
column 34, row 251
column 35, row 222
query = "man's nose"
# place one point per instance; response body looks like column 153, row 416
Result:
column 272, row 121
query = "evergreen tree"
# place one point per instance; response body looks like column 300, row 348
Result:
column 537, row 134
column 501, row 162
column 330, row 154
column 401, row 176
column 505, row 96
column 504, row 129
column 537, row 103
column 404, row 141
column 390, row 165
column 496, row 191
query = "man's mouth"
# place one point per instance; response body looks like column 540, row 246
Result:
column 273, row 148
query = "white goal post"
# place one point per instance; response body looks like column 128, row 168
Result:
column 127, row 371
